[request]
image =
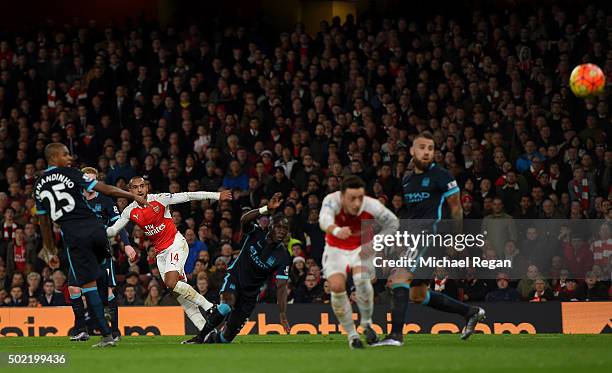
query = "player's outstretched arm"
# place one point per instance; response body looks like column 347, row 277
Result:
column 273, row 204
column 113, row 191
column 281, row 299
column 175, row 198
column 120, row 223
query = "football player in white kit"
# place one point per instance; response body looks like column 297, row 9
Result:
column 170, row 245
column 342, row 218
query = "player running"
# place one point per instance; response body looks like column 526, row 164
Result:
column 263, row 255
column 341, row 217
column 171, row 247
column 106, row 210
column 59, row 193
column 425, row 192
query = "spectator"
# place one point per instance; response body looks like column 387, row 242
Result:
column 576, row 253
column 518, row 262
column 34, row 288
column 570, row 293
column 499, row 227
column 9, row 228
column 503, row 293
column 309, row 291
column 541, row 292
column 474, row 289
column 236, row 178
column 278, row 184
column 60, row 284
column 3, row 278
column 130, row 297
column 153, row 298
column 526, row 284
column 443, row 284
column 121, row 170
column 33, row 302
column 50, row 297
column 195, row 247
column 592, row 289
column 297, row 273
column 20, row 253
column 16, row 297
column 602, row 247
column 560, row 283
column 216, row 278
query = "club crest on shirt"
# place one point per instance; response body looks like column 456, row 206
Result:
column 271, row 261
column 155, row 208
column 425, row 182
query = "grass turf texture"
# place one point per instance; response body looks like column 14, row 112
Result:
column 305, row 353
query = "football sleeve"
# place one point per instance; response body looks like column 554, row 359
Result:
column 175, row 198
column 120, row 223
column 329, row 209
column 387, row 220
column 448, row 184
column 40, row 207
column 81, row 179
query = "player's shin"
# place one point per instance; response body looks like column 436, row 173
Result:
column 344, row 313
column 234, row 324
column 400, row 295
column 192, row 311
column 445, row 303
column 190, row 294
column 114, row 312
column 365, row 297
column 78, row 308
column 94, row 303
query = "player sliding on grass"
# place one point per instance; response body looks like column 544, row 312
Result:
column 263, row 254
column 425, row 194
column 342, row 215
column 170, row 245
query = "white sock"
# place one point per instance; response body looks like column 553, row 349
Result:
column 342, row 308
column 365, row 297
column 192, row 311
column 184, row 289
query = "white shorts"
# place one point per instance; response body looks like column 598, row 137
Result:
column 174, row 257
column 337, row 260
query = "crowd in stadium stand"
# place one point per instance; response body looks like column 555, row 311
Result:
column 192, row 108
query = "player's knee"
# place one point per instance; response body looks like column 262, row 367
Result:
column 337, row 287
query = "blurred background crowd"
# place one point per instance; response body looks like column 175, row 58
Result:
column 229, row 105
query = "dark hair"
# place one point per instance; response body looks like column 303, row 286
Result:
column 424, row 135
column 52, row 149
column 352, row 182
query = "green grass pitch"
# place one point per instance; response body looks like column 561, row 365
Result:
column 305, row 353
